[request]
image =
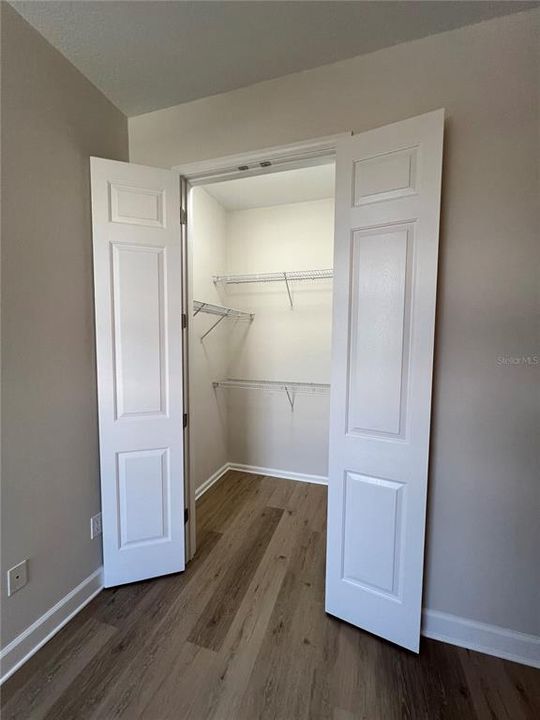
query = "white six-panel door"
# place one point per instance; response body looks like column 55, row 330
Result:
column 138, row 304
column 388, row 185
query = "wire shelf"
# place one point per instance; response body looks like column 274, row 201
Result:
column 221, row 311
column 212, row 309
column 287, row 277
column 291, row 389
column 327, row 273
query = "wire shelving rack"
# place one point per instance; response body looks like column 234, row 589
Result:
column 221, row 312
column 291, row 388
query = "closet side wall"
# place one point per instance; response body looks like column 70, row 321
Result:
column 282, row 343
column 208, row 358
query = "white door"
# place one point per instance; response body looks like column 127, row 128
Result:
column 388, row 184
column 138, row 306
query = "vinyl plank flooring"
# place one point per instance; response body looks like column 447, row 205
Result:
column 219, row 508
column 117, row 604
column 277, row 689
column 162, row 640
column 44, row 688
column 525, row 682
column 231, row 672
column 283, row 489
column 219, row 613
column 435, row 680
column 242, row 635
column 84, row 696
column 499, row 689
column 183, row 683
column 150, row 662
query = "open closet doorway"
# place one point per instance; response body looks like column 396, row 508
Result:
column 154, row 342
column 260, row 335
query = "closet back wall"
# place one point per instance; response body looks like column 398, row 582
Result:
column 282, row 343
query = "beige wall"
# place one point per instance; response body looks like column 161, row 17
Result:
column 281, row 344
column 53, row 119
column 208, row 359
column 484, row 504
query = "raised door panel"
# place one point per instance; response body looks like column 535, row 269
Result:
column 144, row 497
column 378, row 349
column 385, row 177
column 372, row 533
column 136, row 205
column 140, row 330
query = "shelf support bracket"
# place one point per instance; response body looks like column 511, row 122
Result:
column 290, row 397
column 222, row 317
column 288, row 288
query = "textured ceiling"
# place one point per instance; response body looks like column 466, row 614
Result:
column 147, row 55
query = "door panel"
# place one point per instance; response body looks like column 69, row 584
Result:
column 379, row 273
column 139, row 331
column 144, row 490
column 372, row 519
column 385, row 272
column 138, row 305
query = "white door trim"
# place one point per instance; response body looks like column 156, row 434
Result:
column 281, row 157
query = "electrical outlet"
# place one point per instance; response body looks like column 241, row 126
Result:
column 17, row 577
column 95, row 526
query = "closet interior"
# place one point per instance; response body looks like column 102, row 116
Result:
column 260, row 333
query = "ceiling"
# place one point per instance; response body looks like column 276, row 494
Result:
column 147, row 55
column 278, row 188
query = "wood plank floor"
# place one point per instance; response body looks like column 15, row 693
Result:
column 242, row 635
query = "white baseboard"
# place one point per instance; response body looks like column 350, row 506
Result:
column 256, row 470
column 207, row 484
column 283, row 474
column 490, row 639
column 30, row 640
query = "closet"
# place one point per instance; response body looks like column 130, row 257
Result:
column 213, row 332
column 260, row 333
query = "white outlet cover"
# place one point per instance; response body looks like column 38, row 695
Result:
column 17, row 577
column 95, row 526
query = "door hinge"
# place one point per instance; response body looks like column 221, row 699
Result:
column 185, row 420
column 186, row 515
column 184, row 321
column 183, row 216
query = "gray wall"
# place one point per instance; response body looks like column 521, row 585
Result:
column 53, row 119
column 484, row 505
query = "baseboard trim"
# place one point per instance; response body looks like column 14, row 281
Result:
column 207, row 484
column 21, row 649
column 283, row 474
column 445, row 627
column 491, row 639
column 256, row 470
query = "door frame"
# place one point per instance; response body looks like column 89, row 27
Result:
column 220, row 169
